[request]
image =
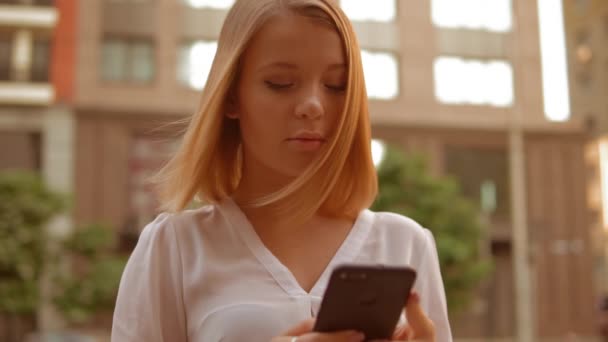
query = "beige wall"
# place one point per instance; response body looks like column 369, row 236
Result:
column 413, row 38
column 559, row 221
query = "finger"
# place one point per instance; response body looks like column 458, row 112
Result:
column 342, row 336
column 403, row 332
column 302, row 328
column 421, row 325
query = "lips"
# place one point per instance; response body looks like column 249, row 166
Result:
column 306, row 141
column 307, row 136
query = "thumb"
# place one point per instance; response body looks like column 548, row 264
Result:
column 302, row 328
column 421, row 325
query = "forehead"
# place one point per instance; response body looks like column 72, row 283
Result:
column 295, row 38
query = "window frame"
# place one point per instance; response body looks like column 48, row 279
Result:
column 487, row 102
column 128, row 77
column 396, row 56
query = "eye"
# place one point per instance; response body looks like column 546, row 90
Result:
column 336, row 88
column 278, row 86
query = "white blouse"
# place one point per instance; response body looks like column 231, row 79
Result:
column 204, row 275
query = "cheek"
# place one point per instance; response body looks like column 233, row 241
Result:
column 259, row 102
column 261, row 124
column 335, row 107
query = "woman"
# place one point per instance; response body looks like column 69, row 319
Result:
column 280, row 148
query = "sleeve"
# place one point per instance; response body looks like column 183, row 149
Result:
column 430, row 287
column 150, row 305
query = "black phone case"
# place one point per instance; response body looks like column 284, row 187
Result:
column 368, row 299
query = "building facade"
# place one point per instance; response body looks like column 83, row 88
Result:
column 586, row 27
column 37, row 50
column 461, row 84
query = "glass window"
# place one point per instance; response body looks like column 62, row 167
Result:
column 556, row 91
column 381, row 74
column 129, row 60
column 459, row 81
column 142, row 66
column 6, row 47
column 41, row 60
column 194, row 63
column 114, row 60
column 490, row 15
column 483, row 175
column 214, row 4
column 370, row 10
column 378, row 151
column 147, row 155
column 603, row 155
column 129, row 1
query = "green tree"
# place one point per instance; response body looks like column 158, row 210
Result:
column 406, row 187
column 85, row 270
column 93, row 277
column 25, row 206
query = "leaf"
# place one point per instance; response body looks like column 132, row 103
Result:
column 406, row 187
column 26, row 205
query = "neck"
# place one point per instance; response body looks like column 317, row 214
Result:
column 258, row 180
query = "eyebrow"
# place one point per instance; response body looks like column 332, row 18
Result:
column 286, row 65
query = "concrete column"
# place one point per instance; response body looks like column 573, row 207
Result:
column 525, row 317
column 524, row 310
column 58, row 171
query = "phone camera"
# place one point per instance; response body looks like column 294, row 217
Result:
column 353, row 276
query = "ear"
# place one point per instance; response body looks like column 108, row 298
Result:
column 232, row 107
column 232, row 115
column 232, row 112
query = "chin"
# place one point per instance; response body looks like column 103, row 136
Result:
column 292, row 171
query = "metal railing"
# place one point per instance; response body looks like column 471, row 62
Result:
column 28, row 2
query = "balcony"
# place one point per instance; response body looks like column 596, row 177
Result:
column 25, row 82
column 24, row 13
column 32, row 94
column 28, row 2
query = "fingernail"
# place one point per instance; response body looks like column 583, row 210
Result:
column 356, row 337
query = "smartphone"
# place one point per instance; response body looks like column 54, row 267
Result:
column 368, row 299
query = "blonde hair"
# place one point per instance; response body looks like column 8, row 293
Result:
column 207, row 165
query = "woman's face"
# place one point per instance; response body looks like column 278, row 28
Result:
column 290, row 94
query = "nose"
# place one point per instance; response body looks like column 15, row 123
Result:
column 310, row 106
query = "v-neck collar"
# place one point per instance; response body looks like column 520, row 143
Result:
column 347, row 252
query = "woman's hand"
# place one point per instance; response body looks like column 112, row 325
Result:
column 303, row 333
column 419, row 327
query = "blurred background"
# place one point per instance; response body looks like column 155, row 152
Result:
column 506, row 99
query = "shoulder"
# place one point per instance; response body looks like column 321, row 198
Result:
column 169, row 229
column 400, row 226
column 399, row 238
column 191, row 219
